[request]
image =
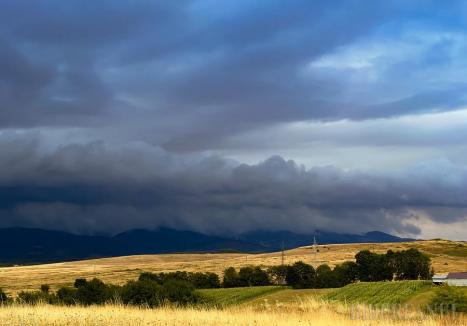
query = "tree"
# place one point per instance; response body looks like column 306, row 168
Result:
column 325, row 277
column 373, row 267
column 346, row 273
column 231, row 278
column 179, row 291
column 142, row 293
column 205, row 280
column 259, row 277
column 277, row 274
column 410, row 264
column 245, row 275
column 301, row 276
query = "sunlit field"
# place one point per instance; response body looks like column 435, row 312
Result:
column 310, row 312
column 446, row 256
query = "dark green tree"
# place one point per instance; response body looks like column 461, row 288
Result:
column 301, row 276
column 346, row 273
column 325, row 277
column 231, row 278
column 373, row 267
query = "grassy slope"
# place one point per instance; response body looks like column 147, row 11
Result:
column 230, row 296
column 287, row 297
column 446, row 256
column 380, row 293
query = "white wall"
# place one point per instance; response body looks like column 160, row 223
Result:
column 457, row 282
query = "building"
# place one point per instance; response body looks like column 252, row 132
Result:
column 453, row 279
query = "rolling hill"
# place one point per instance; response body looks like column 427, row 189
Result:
column 446, row 256
column 26, row 246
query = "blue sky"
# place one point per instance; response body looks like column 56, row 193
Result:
column 235, row 115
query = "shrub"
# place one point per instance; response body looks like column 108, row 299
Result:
column 93, row 292
column 199, row 280
column 67, row 295
column 80, row 282
column 448, row 298
column 45, row 288
column 3, row 297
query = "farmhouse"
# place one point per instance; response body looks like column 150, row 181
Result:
column 454, row 279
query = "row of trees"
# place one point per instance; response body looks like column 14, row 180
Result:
column 97, row 292
column 149, row 290
column 369, row 267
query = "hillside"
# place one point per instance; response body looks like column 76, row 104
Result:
column 46, row 246
column 379, row 293
column 446, row 256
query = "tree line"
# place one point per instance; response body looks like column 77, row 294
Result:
column 150, row 289
column 408, row 264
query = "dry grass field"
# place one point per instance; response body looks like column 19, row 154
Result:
column 310, row 312
column 446, row 256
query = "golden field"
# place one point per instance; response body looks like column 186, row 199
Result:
column 446, row 256
column 311, row 312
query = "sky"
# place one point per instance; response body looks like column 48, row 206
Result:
column 230, row 116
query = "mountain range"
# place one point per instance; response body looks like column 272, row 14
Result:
column 28, row 245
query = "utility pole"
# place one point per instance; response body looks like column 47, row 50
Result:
column 315, row 248
column 283, row 254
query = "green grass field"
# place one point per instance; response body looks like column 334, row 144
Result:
column 380, row 293
column 411, row 293
column 287, row 297
column 230, row 296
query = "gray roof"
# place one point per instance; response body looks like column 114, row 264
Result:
column 461, row 275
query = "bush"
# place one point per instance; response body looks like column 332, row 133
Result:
column 3, row 297
column 199, row 280
column 447, row 299
column 80, row 282
column 67, row 296
column 45, row 288
column 93, row 292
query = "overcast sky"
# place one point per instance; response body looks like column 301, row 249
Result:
column 229, row 116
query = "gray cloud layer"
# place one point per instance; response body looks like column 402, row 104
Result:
column 119, row 114
column 94, row 187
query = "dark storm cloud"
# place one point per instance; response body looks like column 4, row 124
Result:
column 133, row 82
column 93, row 187
column 69, row 63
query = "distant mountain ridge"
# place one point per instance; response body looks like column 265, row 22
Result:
column 28, row 245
